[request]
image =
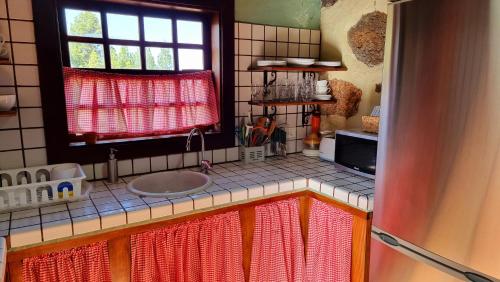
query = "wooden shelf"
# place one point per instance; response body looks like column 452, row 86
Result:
column 8, row 113
column 4, row 61
column 277, row 103
column 301, row 69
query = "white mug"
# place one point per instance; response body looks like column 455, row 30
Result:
column 322, row 83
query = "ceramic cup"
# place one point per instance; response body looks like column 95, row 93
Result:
column 322, row 83
column 322, row 90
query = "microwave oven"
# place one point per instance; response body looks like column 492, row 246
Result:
column 356, row 152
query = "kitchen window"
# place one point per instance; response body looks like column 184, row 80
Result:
column 136, row 75
column 140, row 41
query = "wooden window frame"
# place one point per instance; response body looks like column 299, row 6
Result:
column 52, row 56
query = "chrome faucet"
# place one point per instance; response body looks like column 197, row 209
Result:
column 205, row 165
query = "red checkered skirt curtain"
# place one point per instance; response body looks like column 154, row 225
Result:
column 202, row 250
column 278, row 247
column 329, row 244
column 84, row 264
column 138, row 105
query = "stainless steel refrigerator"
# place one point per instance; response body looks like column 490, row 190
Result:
column 436, row 213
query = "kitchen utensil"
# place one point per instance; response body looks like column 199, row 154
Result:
column 7, row 102
column 300, row 61
column 328, row 63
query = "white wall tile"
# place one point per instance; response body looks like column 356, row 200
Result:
column 24, row 53
column 245, row 78
column 294, row 35
column 219, row 156
column 31, row 117
column 293, row 50
column 88, row 169
column 3, row 9
column 244, row 62
column 245, row 47
column 22, row 31
column 245, row 31
column 101, row 170
column 270, row 49
column 29, row 97
column 6, row 75
column 270, row 33
column 315, row 36
column 27, row 75
column 4, row 29
column 314, row 51
column 159, row 163
column 281, row 49
column 33, row 138
column 232, row 154
column 20, row 9
column 257, row 32
column 10, row 140
column 124, row 167
column 282, row 34
column 11, row 159
column 35, row 157
column 141, row 165
column 304, row 50
column 258, row 48
column 175, row 161
column 25, row 236
column 8, row 122
column 245, row 94
column 190, row 159
column 305, row 35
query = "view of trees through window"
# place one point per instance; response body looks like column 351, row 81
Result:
column 87, row 24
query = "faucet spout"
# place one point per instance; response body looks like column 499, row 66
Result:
column 204, row 164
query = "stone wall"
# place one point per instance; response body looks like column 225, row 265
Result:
column 351, row 32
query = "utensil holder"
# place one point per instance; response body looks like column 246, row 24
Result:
column 252, row 154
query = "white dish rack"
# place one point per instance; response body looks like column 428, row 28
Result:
column 35, row 186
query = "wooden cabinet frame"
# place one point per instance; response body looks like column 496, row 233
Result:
column 119, row 238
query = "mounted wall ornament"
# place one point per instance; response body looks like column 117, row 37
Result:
column 347, row 96
column 328, row 3
column 367, row 38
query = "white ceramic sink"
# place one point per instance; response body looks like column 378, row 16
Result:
column 169, row 184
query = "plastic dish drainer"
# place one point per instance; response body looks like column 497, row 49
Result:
column 35, row 186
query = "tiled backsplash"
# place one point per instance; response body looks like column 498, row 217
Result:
column 22, row 140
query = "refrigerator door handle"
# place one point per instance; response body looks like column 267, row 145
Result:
column 429, row 258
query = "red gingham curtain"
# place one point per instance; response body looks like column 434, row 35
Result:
column 203, row 250
column 138, row 105
column 278, row 247
column 84, row 264
column 329, row 244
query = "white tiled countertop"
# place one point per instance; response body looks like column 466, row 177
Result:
column 111, row 205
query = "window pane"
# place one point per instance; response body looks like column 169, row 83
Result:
column 159, row 58
column 125, row 57
column 191, row 59
column 189, row 32
column 157, row 30
column 83, row 23
column 86, row 55
column 122, row 26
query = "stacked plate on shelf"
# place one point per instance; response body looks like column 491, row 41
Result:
column 269, row 63
column 303, row 62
